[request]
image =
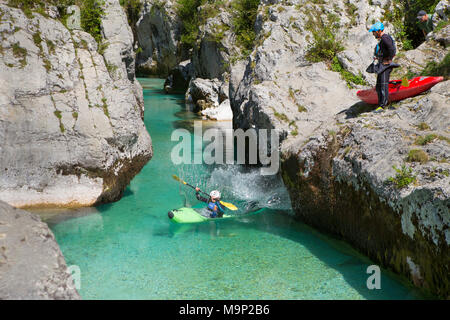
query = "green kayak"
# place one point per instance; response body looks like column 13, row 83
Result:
column 190, row 215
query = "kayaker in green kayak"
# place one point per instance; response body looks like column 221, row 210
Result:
column 215, row 208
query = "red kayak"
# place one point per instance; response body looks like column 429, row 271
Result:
column 398, row 92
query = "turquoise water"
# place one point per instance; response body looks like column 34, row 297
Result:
column 131, row 250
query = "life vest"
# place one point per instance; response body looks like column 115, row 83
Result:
column 379, row 54
column 212, row 205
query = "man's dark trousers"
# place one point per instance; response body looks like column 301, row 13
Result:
column 382, row 87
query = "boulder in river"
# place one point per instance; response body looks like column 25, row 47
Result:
column 32, row 266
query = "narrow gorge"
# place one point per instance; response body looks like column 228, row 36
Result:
column 74, row 134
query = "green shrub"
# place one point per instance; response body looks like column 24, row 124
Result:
column 58, row 114
column 219, row 33
column 396, row 17
column 417, row 155
column 37, row 40
column 403, row 178
column 47, row 64
column 423, row 126
column 105, row 107
column 441, row 25
column 132, row 9
column 20, row 53
column 189, row 16
column 245, row 12
column 91, row 12
column 404, row 19
column 192, row 18
column 51, row 46
column 91, row 18
column 423, row 140
column 325, row 45
column 281, row 116
column 444, row 139
column 351, row 9
column 349, row 77
column 301, row 108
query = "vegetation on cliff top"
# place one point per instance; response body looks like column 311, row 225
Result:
column 91, row 12
column 194, row 13
column 244, row 18
column 325, row 45
column 403, row 178
column 192, row 17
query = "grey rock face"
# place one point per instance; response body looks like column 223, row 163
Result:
column 71, row 130
column 216, row 45
column 280, row 88
column 344, row 179
column 158, row 37
column 204, row 92
column 31, row 263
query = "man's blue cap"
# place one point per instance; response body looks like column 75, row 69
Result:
column 420, row 14
column 377, row 26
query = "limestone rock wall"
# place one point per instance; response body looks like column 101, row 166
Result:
column 32, row 266
column 158, row 30
column 71, row 129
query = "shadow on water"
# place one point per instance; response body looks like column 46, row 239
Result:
column 128, row 192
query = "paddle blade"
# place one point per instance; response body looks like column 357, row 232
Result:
column 229, row 205
column 405, row 82
column 178, row 179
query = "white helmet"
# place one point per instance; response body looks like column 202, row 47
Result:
column 214, row 194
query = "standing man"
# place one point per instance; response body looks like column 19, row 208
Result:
column 384, row 53
column 425, row 22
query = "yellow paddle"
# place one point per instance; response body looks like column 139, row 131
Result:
column 226, row 204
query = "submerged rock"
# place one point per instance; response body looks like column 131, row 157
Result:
column 31, row 263
column 71, row 126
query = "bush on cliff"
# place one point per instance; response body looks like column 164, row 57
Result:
column 193, row 14
column 325, row 45
column 403, row 178
column 91, row 12
column 244, row 17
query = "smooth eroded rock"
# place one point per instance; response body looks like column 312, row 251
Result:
column 32, row 266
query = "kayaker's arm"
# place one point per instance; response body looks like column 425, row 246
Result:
column 199, row 197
